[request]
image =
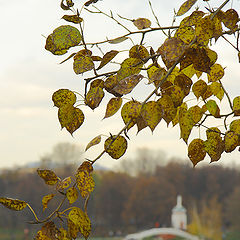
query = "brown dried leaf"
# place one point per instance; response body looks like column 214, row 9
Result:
column 72, row 18
column 142, row 23
column 107, row 58
column 139, row 51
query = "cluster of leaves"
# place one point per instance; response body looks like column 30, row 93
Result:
column 176, row 70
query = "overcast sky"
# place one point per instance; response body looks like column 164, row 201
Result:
column 29, row 75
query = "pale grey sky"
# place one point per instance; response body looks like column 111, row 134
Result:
column 29, row 75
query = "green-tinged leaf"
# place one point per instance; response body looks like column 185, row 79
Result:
column 139, row 51
column 48, row 232
column 185, row 33
column 131, row 111
column 196, row 151
column 236, row 106
column 217, row 90
column 142, row 23
column 63, row 184
column 115, row 147
column 97, row 83
column 129, row 67
column 84, row 179
column 214, row 144
column 63, row 38
column 216, row 73
column 70, row 117
column 186, row 123
column 62, row 97
column 113, row 106
column 94, row 97
column 196, row 112
column 72, row 195
column 231, row 141
column 72, row 18
column 48, row 176
column 46, row 199
column 213, row 108
column 127, row 84
column 235, row 126
column 169, row 111
column 107, row 58
column 185, row 7
column 93, row 142
column 13, row 204
column 152, row 113
column 82, row 63
column 81, row 220
column 117, row 40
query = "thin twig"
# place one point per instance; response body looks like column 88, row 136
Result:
column 228, row 97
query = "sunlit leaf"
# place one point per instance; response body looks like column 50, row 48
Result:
column 217, row 90
column 107, row 58
column 63, row 38
column 236, row 106
column 131, row 111
column 185, row 33
column 113, row 106
column 115, row 147
column 72, row 195
column 13, row 204
column 46, row 199
column 93, row 142
column 231, row 141
column 84, row 179
column 196, row 151
column 142, row 23
column 81, row 220
column 70, row 117
column 62, row 97
column 213, row 108
column 185, row 7
column 48, row 176
column 94, row 97
column 186, row 123
column 156, row 75
column 63, row 184
column 152, row 114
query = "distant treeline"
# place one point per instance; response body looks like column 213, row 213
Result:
column 122, row 203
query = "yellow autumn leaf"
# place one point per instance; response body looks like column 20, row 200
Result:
column 93, row 142
column 84, row 179
column 81, row 220
column 46, row 199
column 231, row 141
column 94, row 97
column 13, row 204
column 62, row 97
column 82, row 63
column 115, row 147
column 236, row 106
column 216, row 73
column 48, row 176
column 185, row 7
column 63, row 184
column 113, row 106
column 196, row 151
column 235, row 126
column 213, row 108
column 72, row 195
column 138, row 51
column 142, row 23
column 72, row 18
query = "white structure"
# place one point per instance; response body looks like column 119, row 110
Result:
column 179, row 215
column 159, row 232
